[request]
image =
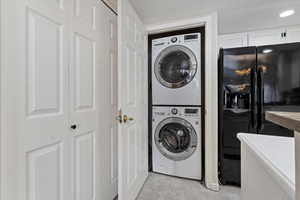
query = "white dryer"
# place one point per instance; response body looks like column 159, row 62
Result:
column 176, row 141
column 176, row 70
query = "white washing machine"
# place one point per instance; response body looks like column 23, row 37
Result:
column 176, row 141
column 176, row 70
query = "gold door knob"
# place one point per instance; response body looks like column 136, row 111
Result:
column 126, row 118
column 119, row 117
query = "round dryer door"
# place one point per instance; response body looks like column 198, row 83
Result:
column 175, row 138
column 175, row 66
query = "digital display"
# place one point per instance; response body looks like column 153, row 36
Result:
column 190, row 37
column 191, row 111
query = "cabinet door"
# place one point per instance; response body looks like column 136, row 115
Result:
column 266, row 37
column 293, row 34
column 233, row 40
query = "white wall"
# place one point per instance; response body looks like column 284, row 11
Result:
column 211, row 86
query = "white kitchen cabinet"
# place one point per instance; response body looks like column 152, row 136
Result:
column 267, row 37
column 293, row 34
column 233, row 40
column 261, row 38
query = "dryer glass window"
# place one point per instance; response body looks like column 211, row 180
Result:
column 175, row 67
column 175, row 137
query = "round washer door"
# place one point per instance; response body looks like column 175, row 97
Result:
column 175, row 138
column 175, row 66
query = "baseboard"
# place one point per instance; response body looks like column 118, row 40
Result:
column 213, row 186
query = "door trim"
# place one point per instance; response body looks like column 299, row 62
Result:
column 210, row 22
column 151, row 37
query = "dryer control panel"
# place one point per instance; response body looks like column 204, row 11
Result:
column 177, row 111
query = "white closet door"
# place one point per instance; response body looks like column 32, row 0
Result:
column 108, row 101
column 86, row 97
column 57, row 99
column 133, row 135
column 41, row 99
column 111, row 37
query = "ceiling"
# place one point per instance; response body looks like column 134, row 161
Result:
column 234, row 15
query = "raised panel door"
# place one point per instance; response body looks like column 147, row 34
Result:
column 133, row 152
column 108, row 83
column 87, row 111
column 40, row 96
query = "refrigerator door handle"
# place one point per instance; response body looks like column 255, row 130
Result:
column 253, row 99
column 260, row 98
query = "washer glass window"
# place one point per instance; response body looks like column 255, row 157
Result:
column 175, row 138
column 175, row 66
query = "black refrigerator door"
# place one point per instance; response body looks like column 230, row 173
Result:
column 237, row 108
column 278, row 70
column 237, row 97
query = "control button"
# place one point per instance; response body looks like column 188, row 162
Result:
column 174, row 39
column 174, row 111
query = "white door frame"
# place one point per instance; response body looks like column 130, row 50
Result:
column 211, row 87
column 1, row 182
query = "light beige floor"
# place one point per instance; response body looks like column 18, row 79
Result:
column 161, row 187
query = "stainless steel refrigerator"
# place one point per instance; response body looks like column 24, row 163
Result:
column 254, row 80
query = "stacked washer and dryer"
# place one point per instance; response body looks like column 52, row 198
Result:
column 176, row 104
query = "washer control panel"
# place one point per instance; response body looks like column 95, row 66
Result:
column 176, row 40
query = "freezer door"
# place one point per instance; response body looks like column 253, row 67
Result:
column 279, row 74
column 237, row 81
column 238, row 113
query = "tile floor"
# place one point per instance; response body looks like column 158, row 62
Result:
column 161, row 187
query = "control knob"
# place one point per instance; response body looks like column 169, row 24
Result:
column 174, row 111
column 174, row 39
